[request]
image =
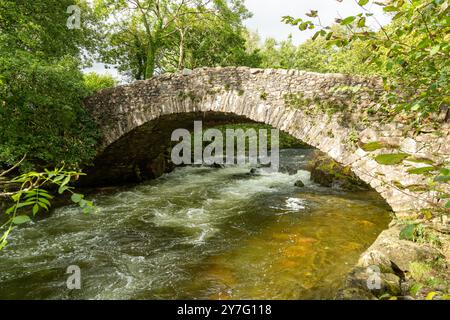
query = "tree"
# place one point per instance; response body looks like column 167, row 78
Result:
column 413, row 50
column 150, row 36
column 41, row 85
column 317, row 56
column 95, row 82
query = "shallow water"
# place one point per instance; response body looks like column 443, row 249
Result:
column 199, row 233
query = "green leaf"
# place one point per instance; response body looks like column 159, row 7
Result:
column 45, row 194
column 348, row 20
column 61, row 189
column 312, row 14
column 76, row 197
column 82, row 203
column 314, row 37
column 363, row 2
column 16, row 196
column 422, row 170
column 430, row 295
column 30, row 193
column 65, row 181
column 391, row 159
column 390, row 9
column 398, row 15
column 408, row 232
column 43, row 200
column 58, row 178
column 374, row 145
column 21, row 219
column 35, row 209
column 43, row 205
column 10, row 209
column 415, row 107
column 25, row 204
column 415, row 288
column 362, row 22
column 3, row 244
column 435, row 50
column 389, row 65
column 442, row 179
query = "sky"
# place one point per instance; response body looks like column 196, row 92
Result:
column 267, row 16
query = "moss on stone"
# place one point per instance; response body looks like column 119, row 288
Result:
column 328, row 173
column 263, row 96
column 295, row 100
column 391, row 158
column 419, row 271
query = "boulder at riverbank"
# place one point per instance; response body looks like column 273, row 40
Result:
column 328, row 173
column 393, row 268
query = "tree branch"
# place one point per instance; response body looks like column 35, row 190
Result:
column 4, row 173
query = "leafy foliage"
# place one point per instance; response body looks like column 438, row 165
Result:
column 94, row 82
column 413, row 51
column 154, row 36
column 41, row 85
column 32, row 197
column 317, row 56
column 42, row 114
column 391, row 158
column 408, row 232
column 439, row 182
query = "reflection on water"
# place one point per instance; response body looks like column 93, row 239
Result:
column 199, row 233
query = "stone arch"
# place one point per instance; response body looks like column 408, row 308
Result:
column 335, row 113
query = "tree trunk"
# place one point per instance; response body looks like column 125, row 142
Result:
column 150, row 65
column 181, row 51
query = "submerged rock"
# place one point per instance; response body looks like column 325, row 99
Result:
column 299, row 183
column 289, row 169
column 363, row 283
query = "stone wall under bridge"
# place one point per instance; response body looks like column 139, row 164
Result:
column 335, row 113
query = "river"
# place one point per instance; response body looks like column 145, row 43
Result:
column 199, row 233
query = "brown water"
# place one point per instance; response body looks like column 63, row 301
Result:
column 199, row 233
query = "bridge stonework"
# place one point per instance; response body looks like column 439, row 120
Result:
column 335, row 113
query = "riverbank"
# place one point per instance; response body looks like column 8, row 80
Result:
column 399, row 269
column 409, row 260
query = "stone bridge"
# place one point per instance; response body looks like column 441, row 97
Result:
column 338, row 114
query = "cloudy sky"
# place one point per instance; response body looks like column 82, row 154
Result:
column 267, row 16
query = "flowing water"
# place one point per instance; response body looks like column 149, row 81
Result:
column 199, row 233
